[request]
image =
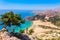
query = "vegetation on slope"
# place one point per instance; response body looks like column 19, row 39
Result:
column 31, row 31
column 55, row 20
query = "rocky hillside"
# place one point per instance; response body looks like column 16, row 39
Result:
column 44, row 31
column 4, row 35
column 46, row 25
column 48, row 13
column 52, row 16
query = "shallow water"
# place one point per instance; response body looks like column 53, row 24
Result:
column 24, row 26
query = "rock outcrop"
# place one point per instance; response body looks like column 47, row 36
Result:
column 5, row 36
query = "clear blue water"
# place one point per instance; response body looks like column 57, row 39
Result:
column 24, row 26
column 23, row 13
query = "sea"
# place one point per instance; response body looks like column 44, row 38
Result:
column 24, row 14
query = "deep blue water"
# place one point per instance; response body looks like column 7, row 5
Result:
column 24, row 13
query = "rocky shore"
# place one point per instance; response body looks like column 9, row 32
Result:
column 5, row 36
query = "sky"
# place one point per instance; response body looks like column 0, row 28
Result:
column 29, row 4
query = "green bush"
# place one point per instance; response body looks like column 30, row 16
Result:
column 30, row 31
column 21, row 31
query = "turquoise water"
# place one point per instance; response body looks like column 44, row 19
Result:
column 24, row 13
column 24, row 26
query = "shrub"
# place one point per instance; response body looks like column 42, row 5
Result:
column 30, row 31
column 21, row 31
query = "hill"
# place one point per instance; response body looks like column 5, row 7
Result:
column 46, row 25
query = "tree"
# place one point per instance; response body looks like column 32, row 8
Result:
column 10, row 18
